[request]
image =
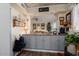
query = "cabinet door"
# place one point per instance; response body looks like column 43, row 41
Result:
column 27, row 41
column 39, row 42
column 61, row 41
column 46, row 42
column 32, row 42
column 53, row 43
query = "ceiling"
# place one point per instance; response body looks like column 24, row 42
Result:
column 55, row 8
column 29, row 5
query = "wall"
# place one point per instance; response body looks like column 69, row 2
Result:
column 75, row 25
column 16, row 31
column 52, row 8
column 52, row 16
column 75, row 17
column 5, row 29
column 44, row 19
column 18, row 10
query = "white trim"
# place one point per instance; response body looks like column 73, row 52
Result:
column 45, row 50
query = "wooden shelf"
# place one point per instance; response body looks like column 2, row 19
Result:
column 18, row 23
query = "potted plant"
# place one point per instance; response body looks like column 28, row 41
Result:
column 77, row 39
column 49, row 27
column 72, row 40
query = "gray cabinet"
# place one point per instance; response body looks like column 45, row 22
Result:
column 54, row 43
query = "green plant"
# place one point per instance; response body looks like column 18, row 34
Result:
column 77, row 38
column 72, row 39
column 49, row 27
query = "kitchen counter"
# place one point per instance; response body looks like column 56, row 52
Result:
column 44, row 35
column 44, row 42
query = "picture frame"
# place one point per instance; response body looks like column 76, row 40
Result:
column 38, row 25
column 34, row 26
column 68, row 18
column 18, row 23
column 15, row 23
column 42, row 26
column 61, row 20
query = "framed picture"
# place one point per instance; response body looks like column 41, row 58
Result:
column 42, row 26
column 38, row 25
column 18, row 23
column 68, row 18
column 61, row 20
column 34, row 26
column 15, row 23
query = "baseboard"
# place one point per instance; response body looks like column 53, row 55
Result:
column 44, row 50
